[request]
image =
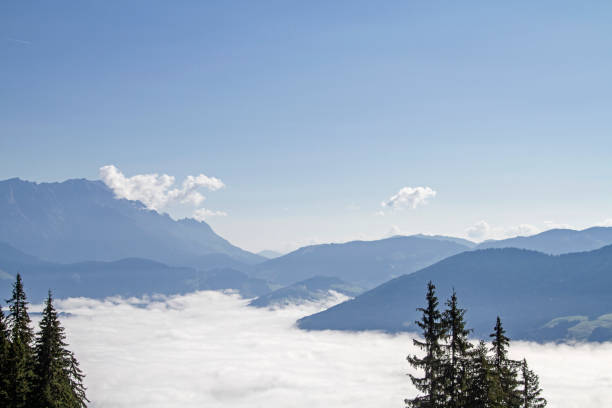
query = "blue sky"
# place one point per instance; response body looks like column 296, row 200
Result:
column 313, row 113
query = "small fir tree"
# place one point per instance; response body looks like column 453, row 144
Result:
column 531, row 390
column 458, row 347
column 431, row 385
column 58, row 377
column 20, row 363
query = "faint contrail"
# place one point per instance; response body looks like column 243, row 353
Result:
column 19, row 41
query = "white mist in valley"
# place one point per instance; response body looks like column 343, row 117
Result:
column 210, row 349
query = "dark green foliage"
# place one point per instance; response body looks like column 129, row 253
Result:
column 457, row 375
column 18, row 319
column 59, row 381
column 21, row 358
column 456, row 364
column 504, row 368
column 482, row 384
column 531, row 390
column 432, row 384
column 44, row 375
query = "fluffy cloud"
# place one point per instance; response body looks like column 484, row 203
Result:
column 409, row 197
column 202, row 214
column 210, row 349
column 156, row 191
column 480, row 230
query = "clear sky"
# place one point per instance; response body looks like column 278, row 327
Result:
column 313, row 113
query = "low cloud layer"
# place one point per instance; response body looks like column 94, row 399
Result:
column 157, row 191
column 209, row 349
column 409, row 197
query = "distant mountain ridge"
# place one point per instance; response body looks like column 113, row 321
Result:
column 363, row 263
column 124, row 277
column 557, row 241
column 461, row 241
column 81, row 220
column 538, row 296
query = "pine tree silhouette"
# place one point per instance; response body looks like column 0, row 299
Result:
column 456, row 364
column 21, row 361
column 504, row 368
column 59, row 381
column 431, row 385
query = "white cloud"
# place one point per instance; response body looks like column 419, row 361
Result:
column 202, row 214
column 209, row 349
column 483, row 230
column 409, row 197
column 156, row 191
column 480, row 230
column 606, row 223
column 522, row 230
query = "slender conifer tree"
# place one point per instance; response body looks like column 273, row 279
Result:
column 457, row 361
column 504, row 368
column 431, row 385
column 57, row 382
column 531, row 391
column 21, row 361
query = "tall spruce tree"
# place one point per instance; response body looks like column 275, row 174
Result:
column 20, row 362
column 504, row 368
column 531, row 391
column 457, row 361
column 4, row 361
column 59, row 381
column 431, row 385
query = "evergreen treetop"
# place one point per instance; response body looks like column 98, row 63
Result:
column 432, row 383
column 59, row 380
column 504, row 368
column 18, row 319
column 457, row 349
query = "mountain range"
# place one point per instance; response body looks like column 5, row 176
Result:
column 363, row 263
column 78, row 239
column 82, row 220
column 126, row 277
column 557, row 241
column 538, row 296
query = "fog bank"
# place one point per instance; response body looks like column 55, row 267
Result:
column 210, row 349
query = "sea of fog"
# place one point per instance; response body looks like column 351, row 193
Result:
column 208, row 349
